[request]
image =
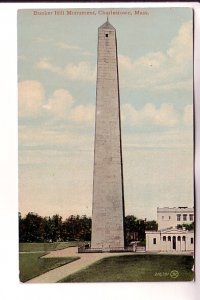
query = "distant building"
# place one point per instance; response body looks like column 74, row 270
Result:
column 171, row 217
column 169, row 237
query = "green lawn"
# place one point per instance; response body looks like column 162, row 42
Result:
column 32, row 247
column 33, row 264
column 136, row 268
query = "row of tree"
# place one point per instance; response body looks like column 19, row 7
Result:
column 34, row 228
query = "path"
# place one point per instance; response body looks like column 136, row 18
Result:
column 59, row 273
column 85, row 260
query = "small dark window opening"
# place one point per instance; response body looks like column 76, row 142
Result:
column 106, row 34
column 192, row 241
column 154, row 241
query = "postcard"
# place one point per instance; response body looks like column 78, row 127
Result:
column 105, row 120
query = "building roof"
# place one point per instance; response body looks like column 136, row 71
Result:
column 175, row 209
column 107, row 25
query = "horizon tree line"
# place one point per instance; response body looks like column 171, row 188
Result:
column 35, row 228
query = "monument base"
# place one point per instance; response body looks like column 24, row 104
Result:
column 84, row 249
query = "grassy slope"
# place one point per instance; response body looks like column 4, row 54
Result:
column 32, row 264
column 135, row 268
column 32, row 247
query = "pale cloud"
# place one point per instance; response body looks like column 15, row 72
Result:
column 51, row 138
column 67, row 46
column 173, row 138
column 181, row 46
column 183, row 85
column 88, row 53
column 31, row 98
column 83, row 114
column 125, row 62
column 170, row 70
column 60, row 106
column 42, row 40
column 165, row 115
column 155, row 60
column 81, row 71
column 72, row 170
column 45, row 64
column 188, row 115
column 60, row 103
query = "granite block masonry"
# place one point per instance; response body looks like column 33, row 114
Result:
column 108, row 195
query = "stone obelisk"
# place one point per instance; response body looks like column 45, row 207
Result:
column 108, row 196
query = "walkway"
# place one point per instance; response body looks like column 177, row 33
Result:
column 85, row 260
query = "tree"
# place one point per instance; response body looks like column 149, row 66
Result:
column 85, row 228
column 151, row 225
column 22, row 229
column 131, row 228
column 76, row 228
column 33, row 228
column 135, row 228
column 186, row 226
column 54, row 228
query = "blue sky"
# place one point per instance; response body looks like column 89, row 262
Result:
column 57, row 79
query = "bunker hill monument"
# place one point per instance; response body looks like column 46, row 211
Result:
column 108, row 194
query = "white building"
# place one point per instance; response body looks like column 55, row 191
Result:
column 169, row 238
column 171, row 217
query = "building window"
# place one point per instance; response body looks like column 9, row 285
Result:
column 154, row 241
column 191, row 217
column 162, row 217
column 106, row 34
column 178, row 217
column 169, row 217
column 184, row 217
column 164, row 238
column 192, row 241
column 183, row 238
column 179, row 238
column 169, row 238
